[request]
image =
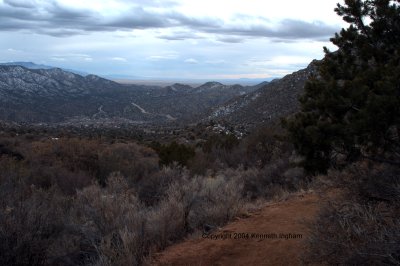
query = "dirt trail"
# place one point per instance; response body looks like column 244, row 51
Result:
column 285, row 217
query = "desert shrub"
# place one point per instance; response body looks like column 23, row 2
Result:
column 186, row 193
column 167, row 222
column 131, row 160
column 206, row 200
column 217, row 160
column 69, row 182
column 4, row 150
column 45, row 177
column 190, row 203
column 262, row 147
column 69, row 163
column 173, row 152
column 11, row 170
column 254, row 184
column 223, row 151
column 120, row 230
column 377, row 183
column 362, row 226
column 220, row 199
column 72, row 162
column 351, row 233
column 53, row 212
column 115, row 222
column 222, row 158
column 266, row 145
column 72, row 153
column 200, row 163
column 31, row 222
column 154, row 187
column 221, row 141
column 272, row 179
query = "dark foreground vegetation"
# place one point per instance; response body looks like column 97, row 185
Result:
column 102, row 201
column 360, row 225
column 349, row 128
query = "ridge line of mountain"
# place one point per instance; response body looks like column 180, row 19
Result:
column 55, row 95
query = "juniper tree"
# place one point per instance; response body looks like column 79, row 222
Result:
column 351, row 106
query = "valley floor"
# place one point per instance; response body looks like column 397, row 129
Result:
column 274, row 235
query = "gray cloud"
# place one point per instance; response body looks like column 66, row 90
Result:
column 286, row 29
column 179, row 36
column 231, row 39
column 56, row 20
column 136, row 18
column 13, row 13
column 53, row 19
column 61, row 32
column 301, row 29
column 196, row 23
column 57, row 12
column 152, row 3
column 20, row 3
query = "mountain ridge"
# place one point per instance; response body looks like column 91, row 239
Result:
column 268, row 103
column 32, row 65
column 55, row 95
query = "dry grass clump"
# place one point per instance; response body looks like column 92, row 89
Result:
column 362, row 227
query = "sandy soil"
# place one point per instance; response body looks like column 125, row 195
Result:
column 238, row 243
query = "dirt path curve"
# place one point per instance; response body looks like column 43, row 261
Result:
column 285, row 217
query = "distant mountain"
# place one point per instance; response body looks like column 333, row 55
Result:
column 131, row 79
column 268, row 102
column 246, row 81
column 260, row 85
column 54, row 95
column 128, row 79
column 31, row 65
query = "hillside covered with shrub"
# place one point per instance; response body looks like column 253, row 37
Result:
column 73, row 200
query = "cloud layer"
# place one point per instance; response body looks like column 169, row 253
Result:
column 168, row 38
column 57, row 19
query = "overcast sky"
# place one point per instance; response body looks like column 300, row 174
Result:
column 207, row 39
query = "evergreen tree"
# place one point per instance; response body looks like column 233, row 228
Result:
column 351, row 107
